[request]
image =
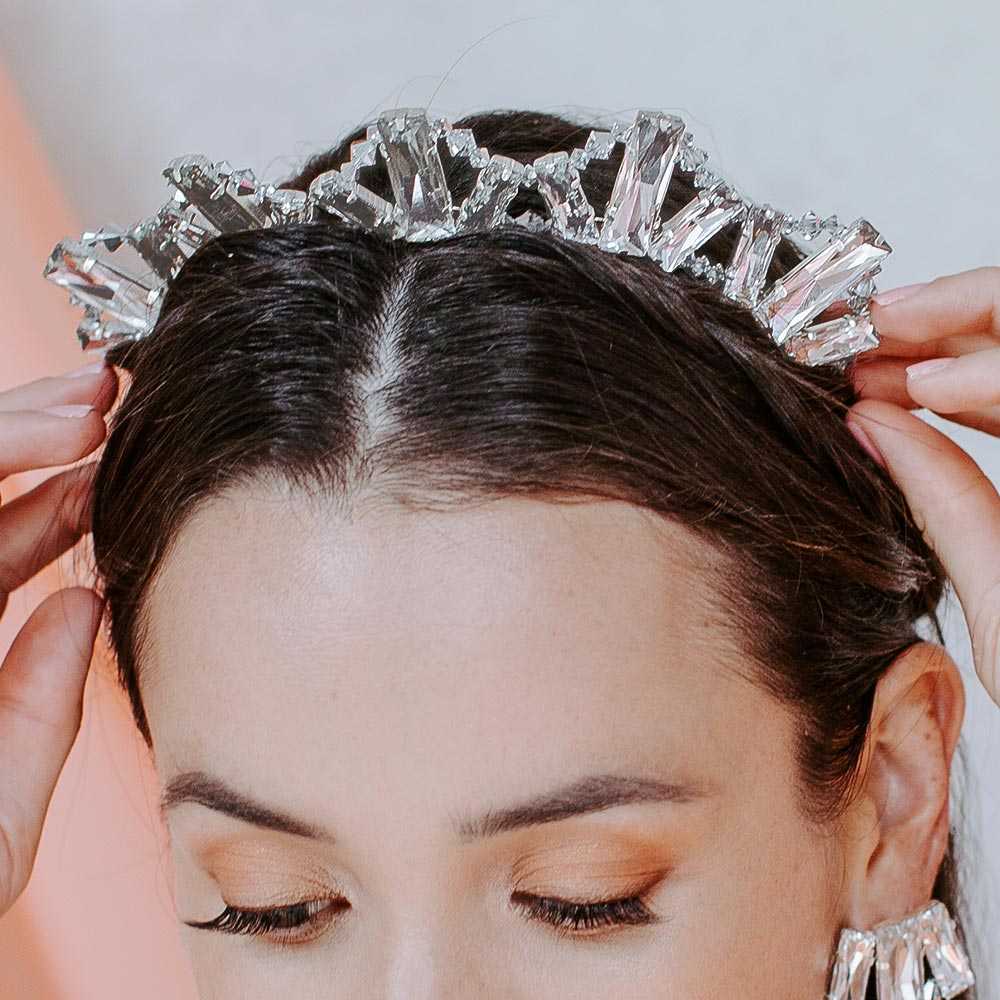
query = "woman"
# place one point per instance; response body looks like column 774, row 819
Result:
column 439, row 704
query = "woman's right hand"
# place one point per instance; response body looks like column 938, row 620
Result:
column 953, row 324
column 43, row 674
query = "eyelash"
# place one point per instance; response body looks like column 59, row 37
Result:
column 284, row 921
column 565, row 916
column 570, row 918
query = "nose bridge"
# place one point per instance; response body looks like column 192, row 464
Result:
column 426, row 930
column 424, row 941
column 430, row 961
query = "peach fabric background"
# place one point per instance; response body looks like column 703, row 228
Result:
column 96, row 921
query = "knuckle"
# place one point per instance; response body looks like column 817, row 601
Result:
column 12, row 705
column 978, row 420
column 10, row 576
column 15, row 862
column 9, row 887
column 76, row 496
column 984, row 632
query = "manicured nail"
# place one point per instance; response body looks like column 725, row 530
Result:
column 69, row 410
column 92, row 369
column 891, row 295
column 865, row 441
column 932, row 367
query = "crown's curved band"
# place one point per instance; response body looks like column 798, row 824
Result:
column 119, row 276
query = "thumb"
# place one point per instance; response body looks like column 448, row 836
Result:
column 958, row 510
column 41, row 705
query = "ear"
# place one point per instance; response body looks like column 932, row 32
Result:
column 897, row 827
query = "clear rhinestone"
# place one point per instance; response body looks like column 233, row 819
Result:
column 809, row 225
column 945, row 955
column 816, row 282
column 899, row 963
column 853, row 965
column 409, row 143
column 705, row 178
column 835, row 340
column 496, row 186
column 558, row 182
column 600, row 144
column 692, row 157
column 287, row 205
column 620, row 131
column 759, row 238
column 229, row 201
column 691, row 227
column 461, row 142
column 335, row 193
column 118, row 285
column 632, row 213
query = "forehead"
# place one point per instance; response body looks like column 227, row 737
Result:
column 505, row 635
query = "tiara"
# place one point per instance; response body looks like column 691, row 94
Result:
column 119, row 276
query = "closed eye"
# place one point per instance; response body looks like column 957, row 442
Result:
column 303, row 921
column 570, row 917
column 283, row 923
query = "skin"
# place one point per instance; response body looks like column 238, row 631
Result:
column 385, row 676
column 410, row 669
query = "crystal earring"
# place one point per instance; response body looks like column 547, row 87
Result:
column 897, row 951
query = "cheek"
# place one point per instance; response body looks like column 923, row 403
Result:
column 757, row 921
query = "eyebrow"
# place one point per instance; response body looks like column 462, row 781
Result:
column 585, row 795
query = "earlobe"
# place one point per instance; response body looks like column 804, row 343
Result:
column 898, row 827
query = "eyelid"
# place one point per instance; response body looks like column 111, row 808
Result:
column 625, row 879
column 589, row 898
column 271, row 875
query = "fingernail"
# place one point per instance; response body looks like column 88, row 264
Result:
column 69, row 410
column 891, row 295
column 923, row 368
column 91, row 369
column 865, row 441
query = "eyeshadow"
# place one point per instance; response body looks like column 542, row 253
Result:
column 256, row 867
column 588, row 862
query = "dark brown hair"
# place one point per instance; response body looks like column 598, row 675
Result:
column 513, row 362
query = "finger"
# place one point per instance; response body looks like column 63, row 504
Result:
column 958, row 510
column 883, row 378
column 42, row 523
column 98, row 387
column 935, row 347
column 987, row 421
column 949, row 385
column 34, row 439
column 886, row 379
column 41, row 704
column 964, row 303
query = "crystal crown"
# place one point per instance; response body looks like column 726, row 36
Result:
column 119, row 276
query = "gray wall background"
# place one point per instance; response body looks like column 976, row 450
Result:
column 886, row 110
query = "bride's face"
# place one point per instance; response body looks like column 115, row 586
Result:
column 459, row 732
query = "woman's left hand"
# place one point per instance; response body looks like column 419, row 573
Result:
column 956, row 319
